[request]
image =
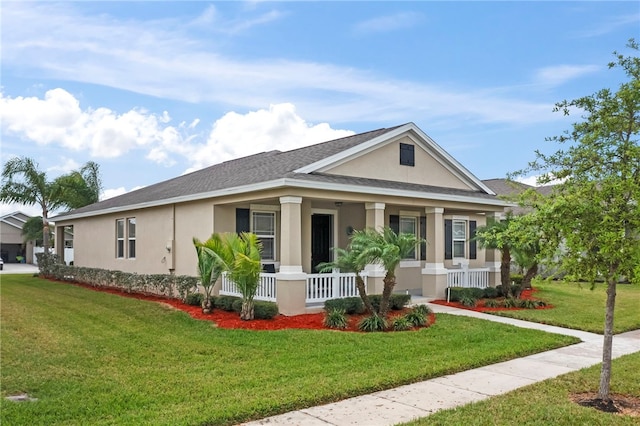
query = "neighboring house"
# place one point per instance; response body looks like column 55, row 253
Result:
column 12, row 242
column 301, row 203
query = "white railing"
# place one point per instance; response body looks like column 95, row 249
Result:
column 464, row 277
column 322, row 287
column 266, row 288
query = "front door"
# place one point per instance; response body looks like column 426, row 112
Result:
column 321, row 239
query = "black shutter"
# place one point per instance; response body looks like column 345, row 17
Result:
column 472, row 240
column 423, row 236
column 394, row 223
column 243, row 221
column 448, row 239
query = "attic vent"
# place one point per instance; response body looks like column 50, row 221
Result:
column 407, row 155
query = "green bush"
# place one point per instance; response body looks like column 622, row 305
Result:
column 424, row 309
column 350, row 305
column 194, row 299
column 416, row 317
column 401, row 323
column 373, row 323
column 455, row 293
column 501, row 292
column 510, row 302
column 516, row 279
column 468, row 300
column 264, row 310
column 398, row 301
column 236, row 306
column 492, row 303
column 490, row 293
column 476, row 293
column 335, row 318
column 527, row 304
column 225, row 302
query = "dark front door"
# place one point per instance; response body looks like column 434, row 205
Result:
column 321, row 239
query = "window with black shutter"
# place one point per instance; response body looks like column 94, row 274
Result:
column 407, row 155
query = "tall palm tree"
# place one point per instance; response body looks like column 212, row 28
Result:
column 23, row 183
column 350, row 260
column 387, row 248
column 80, row 187
column 32, row 229
column 209, row 267
column 240, row 256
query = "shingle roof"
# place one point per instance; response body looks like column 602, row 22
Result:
column 256, row 169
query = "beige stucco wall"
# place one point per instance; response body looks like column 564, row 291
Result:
column 384, row 163
column 10, row 234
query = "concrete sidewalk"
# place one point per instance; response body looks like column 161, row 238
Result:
column 19, row 268
column 421, row 399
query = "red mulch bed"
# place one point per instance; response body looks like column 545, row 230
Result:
column 225, row 319
column 480, row 307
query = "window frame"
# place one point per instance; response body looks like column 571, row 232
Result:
column 415, row 220
column 266, row 236
column 131, row 239
column 120, row 246
column 407, row 154
column 462, row 241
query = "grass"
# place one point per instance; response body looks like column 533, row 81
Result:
column 100, row 359
column 577, row 306
column 547, row 403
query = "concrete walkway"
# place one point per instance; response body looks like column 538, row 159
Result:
column 19, row 268
column 424, row 398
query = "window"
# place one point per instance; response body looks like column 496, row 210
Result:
column 409, row 225
column 120, row 238
column 131, row 237
column 407, row 155
column 459, row 238
column 264, row 226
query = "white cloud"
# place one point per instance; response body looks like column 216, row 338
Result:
column 161, row 59
column 59, row 119
column 278, row 128
column 387, row 23
column 560, row 74
column 65, row 165
column 114, row 192
column 612, row 24
column 33, row 210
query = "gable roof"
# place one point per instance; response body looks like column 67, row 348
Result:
column 295, row 168
column 16, row 219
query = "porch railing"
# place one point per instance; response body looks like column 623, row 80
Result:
column 335, row 285
column 266, row 287
column 478, row 277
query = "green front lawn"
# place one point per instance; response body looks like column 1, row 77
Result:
column 548, row 403
column 576, row 306
column 96, row 358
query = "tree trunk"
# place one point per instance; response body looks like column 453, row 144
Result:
column 530, row 274
column 389, row 284
column 607, row 346
column 45, row 230
column 368, row 307
column 247, row 312
column 505, row 271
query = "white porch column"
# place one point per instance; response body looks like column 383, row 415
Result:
column 434, row 274
column 290, row 280
column 375, row 272
column 492, row 257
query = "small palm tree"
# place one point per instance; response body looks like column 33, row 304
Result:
column 209, row 267
column 240, row 256
column 387, row 248
column 349, row 260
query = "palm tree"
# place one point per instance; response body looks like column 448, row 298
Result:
column 240, row 256
column 209, row 267
column 32, row 229
column 387, row 248
column 350, row 260
column 23, row 183
column 80, row 187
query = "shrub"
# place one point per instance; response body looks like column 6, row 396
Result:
column 350, row 305
column 456, row 293
column 468, row 300
column 265, row 310
column 510, row 302
column 236, row 306
column 516, row 279
column 492, row 303
column 194, row 299
column 476, row 293
column 501, row 292
column 373, row 323
column 401, row 323
column 424, row 309
column 541, row 303
column 528, row 304
column 225, row 302
column 398, row 301
column 416, row 317
column 490, row 293
column 335, row 318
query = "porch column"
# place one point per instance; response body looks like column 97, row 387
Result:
column 290, row 280
column 59, row 242
column 492, row 257
column 434, row 274
column 375, row 272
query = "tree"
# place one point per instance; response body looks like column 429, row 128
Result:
column 240, row 256
column 594, row 213
column 494, row 235
column 209, row 267
column 23, row 183
column 32, row 229
column 387, row 248
column 350, row 260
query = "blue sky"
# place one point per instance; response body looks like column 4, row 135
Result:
column 151, row 90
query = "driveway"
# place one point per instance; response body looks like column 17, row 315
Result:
column 19, row 268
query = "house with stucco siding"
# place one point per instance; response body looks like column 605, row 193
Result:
column 302, row 203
